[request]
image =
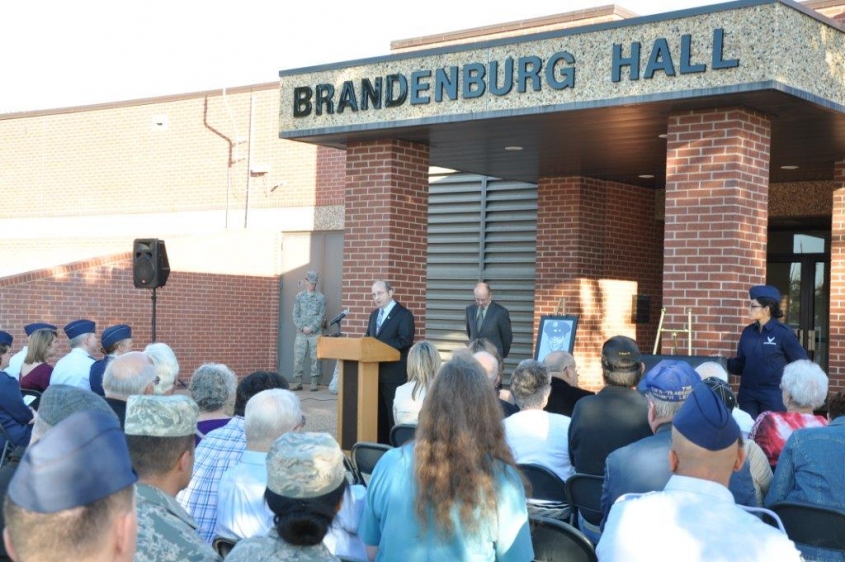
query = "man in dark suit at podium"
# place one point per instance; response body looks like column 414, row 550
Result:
column 490, row 320
column 393, row 324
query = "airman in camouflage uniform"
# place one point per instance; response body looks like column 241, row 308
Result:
column 302, row 466
column 309, row 311
column 166, row 532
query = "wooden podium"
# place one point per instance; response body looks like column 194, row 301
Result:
column 358, row 391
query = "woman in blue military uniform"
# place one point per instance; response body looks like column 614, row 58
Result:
column 15, row 416
column 765, row 347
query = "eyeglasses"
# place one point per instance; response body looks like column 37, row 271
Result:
column 378, row 294
column 753, row 306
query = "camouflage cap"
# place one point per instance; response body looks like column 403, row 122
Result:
column 312, row 277
column 304, row 465
column 161, row 416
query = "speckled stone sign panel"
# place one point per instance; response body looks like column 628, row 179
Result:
column 736, row 47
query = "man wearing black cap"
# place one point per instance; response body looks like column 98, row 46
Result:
column 765, row 347
column 75, row 367
column 694, row 518
column 57, row 492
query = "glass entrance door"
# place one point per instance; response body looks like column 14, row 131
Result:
column 798, row 265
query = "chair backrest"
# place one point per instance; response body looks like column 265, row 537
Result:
column 223, row 546
column 365, row 456
column 556, row 541
column 545, row 484
column 584, row 493
column 8, row 446
column 37, row 397
column 822, row 527
column 402, row 433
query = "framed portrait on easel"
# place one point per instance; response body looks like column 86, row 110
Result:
column 556, row 333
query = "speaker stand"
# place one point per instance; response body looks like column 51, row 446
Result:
column 153, row 298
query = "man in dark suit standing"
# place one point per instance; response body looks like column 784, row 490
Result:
column 487, row 319
column 393, row 324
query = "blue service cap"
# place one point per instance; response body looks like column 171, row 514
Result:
column 31, row 328
column 671, row 380
column 84, row 458
column 6, row 338
column 79, row 327
column 114, row 334
column 705, row 420
column 764, row 291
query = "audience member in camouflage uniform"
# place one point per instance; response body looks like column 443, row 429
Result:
column 309, row 311
column 306, row 480
column 160, row 432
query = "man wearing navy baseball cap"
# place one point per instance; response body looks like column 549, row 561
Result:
column 695, row 517
column 77, row 473
column 75, row 367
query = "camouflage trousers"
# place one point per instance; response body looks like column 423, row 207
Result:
column 306, row 344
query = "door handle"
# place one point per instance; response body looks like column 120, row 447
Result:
column 811, row 340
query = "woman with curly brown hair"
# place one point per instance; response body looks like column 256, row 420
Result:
column 454, row 493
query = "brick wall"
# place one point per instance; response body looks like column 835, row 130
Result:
column 331, row 176
column 836, row 367
column 203, row 317
column 717, row 171
column 598, row 244
column 386, row 227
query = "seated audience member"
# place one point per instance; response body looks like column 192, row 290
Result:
column 219, row 450
column 492, row 365
column 483, row 344
column 713, row 369
column 130, row 374
column 695, row 517
column 565, row 391
column 614, row 417
column 62, row 506
column 16, row 362
column 758, row 464
column 160, row 434
column 166, row 367
column 804, row 387
column 116, row 340
column 534, row 435
column 212, row 387
column 58, row 402
column 306, row 480
column 35, row 372
column 75, row 367
column 423, row 362
column 15, row 416
column 810, row 470
column 241, row 511
column 418, row 510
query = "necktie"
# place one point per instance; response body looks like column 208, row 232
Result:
column 379, row 320
column 480, row 319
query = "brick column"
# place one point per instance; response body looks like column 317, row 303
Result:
column 386, row 221
column 836, row 337
column 598, row 244
column 717, row 175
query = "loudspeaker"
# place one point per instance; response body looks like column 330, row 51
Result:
column 150, row 268
column 641, row 313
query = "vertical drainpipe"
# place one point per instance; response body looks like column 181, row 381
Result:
column 249, row 156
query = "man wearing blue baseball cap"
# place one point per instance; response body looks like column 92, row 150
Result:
column 78, row 473
column 765, row 347
column 75, row 367
column 116, row 340
column 695, row 517
column 16, row 362
column 643, row 466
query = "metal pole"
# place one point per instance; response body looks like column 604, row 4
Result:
column 153, row 298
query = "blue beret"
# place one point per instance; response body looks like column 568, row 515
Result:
column 764, row 291
column 671, row 380
column 79, row 327
column 31, row 328
column 6, row 338
column 114, row 334
column 84, row 458
column 705, row 420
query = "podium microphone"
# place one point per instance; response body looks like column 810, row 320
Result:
column 339, row 317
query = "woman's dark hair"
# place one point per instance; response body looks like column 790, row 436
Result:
column 772, row 305
column 304, row 522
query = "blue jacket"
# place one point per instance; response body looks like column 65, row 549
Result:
column 762, row 355
column 14, row 414
column 98, row 369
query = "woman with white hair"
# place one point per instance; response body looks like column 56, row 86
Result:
column 166, row 365
column 804, row 387
column 213, row 388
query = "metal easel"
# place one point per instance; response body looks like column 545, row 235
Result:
column 687, row 330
